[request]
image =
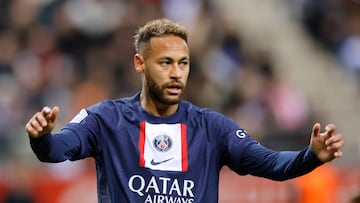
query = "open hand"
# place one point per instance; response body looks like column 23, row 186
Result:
column 326, row 145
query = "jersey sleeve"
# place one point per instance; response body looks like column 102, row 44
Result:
column 76, row 140
column 260, row 161
column 244, row 155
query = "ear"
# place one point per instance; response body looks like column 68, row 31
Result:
column 139, row 63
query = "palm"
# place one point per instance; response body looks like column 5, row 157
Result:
column 319, row 148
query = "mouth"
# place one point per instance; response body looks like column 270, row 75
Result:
column 174, row 89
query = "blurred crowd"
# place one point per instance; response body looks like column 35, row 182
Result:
column 334, row 24
column 74, row 53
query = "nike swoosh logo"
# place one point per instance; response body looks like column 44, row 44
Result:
column 154, row 163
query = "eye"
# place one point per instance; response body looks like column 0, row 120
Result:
column 184, row 63
column 165, row 62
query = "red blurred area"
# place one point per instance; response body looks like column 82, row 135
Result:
column 48, row 184
column 340, row 185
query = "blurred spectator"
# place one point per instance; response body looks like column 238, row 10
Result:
column 95, row 18
column 356, row 199
column 349, row 53
column 321, row 185
column 273, row 111
column 335, row 25
column 321, row 17
column 19, row 181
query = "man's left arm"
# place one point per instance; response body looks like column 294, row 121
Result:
column 260, row 161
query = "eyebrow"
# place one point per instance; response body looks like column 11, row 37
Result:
column 172, row 59
column 184, row 58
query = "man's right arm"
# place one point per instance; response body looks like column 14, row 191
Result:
column 50, row 147
column 56, row 147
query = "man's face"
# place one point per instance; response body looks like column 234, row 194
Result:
column 166, row 69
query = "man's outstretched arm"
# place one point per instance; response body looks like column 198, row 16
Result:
column 261, row 161
column 50, row 147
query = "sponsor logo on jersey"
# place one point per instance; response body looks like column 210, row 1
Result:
column 241, row 133
column 162, row 189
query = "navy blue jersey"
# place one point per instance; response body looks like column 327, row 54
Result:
column 144, row 158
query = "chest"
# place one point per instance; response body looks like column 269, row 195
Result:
column 177, row 147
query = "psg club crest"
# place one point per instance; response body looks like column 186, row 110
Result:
column 162, row 143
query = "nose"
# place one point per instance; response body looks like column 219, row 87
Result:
column 176, row 71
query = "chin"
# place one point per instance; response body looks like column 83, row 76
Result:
column 170, row 100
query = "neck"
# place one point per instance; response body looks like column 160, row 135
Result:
column 157, row 108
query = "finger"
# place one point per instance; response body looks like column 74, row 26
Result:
column 31, row 130
column 338, row 154
column 53, row 113
column 335, row 142
column 329, row 129
column 35, row 123
column 41, row 119
column 316, row 129
column 334, row 138
column 335, row 146
column 46, row 111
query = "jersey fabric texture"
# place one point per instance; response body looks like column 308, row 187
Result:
column 144, row 158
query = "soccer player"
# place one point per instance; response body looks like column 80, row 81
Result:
column 156, row 147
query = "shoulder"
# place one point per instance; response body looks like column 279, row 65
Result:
column 210, row 116
column 111, row 105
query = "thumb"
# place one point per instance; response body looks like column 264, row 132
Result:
column 316, row 130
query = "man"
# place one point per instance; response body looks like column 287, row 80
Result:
column 155, row 147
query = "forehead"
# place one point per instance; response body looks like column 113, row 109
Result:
column 168, row 44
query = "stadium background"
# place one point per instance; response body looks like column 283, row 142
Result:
column 274, row 66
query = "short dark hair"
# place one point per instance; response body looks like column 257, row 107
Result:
column 158, row 28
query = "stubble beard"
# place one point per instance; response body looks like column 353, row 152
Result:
column 158, row 93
